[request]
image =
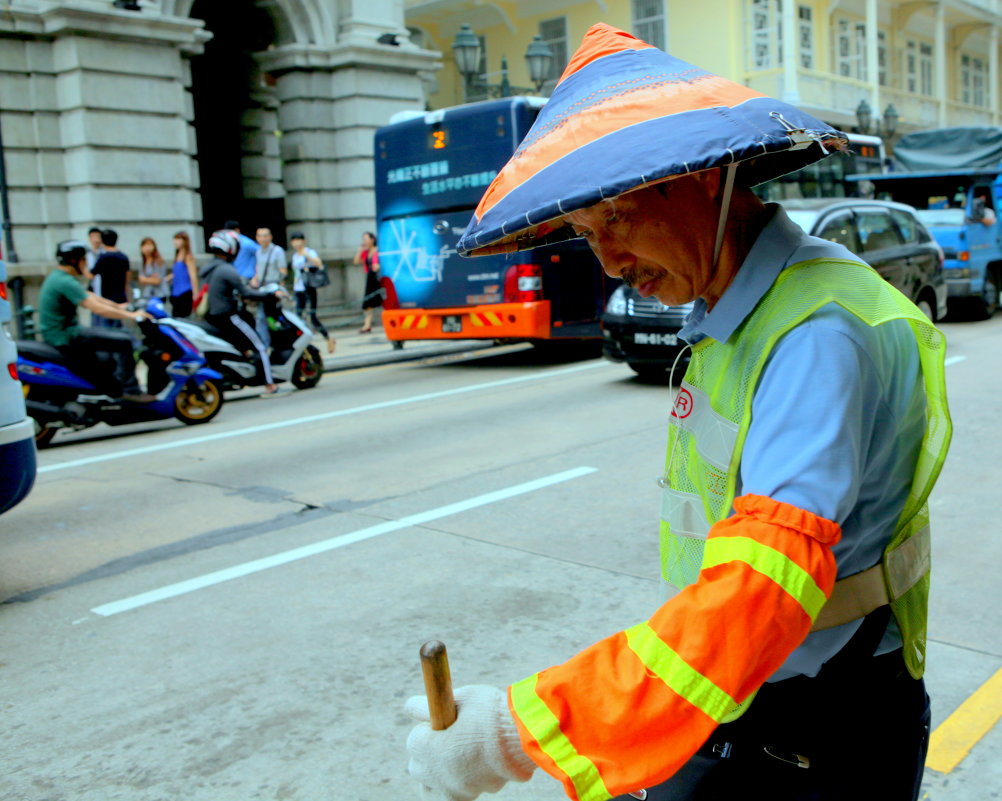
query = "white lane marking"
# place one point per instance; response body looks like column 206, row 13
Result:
column 257, row 565
column 953, row 360
column 297, row 421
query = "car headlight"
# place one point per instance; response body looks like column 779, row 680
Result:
column 617, row 302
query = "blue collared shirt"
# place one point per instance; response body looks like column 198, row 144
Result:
column 246, row 261
column 837, row 417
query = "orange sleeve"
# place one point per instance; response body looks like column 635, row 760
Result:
column 636, row 706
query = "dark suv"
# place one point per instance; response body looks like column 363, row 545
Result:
column 643, row 332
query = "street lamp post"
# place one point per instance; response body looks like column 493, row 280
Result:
column 885, row 128
column 466, row 50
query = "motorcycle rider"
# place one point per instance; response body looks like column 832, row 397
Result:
column 89, row 350
column 226, row 289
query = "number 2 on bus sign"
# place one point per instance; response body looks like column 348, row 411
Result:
column 438, row 140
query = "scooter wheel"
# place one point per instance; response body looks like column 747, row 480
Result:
column 196, row 405
column 309, row 369
column 43, row 434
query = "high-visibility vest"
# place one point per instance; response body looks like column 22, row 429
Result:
column 630, row 710
column 712, row 414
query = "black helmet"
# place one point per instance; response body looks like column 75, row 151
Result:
column 71, row 251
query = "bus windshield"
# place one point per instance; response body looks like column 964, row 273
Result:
column 431, row 171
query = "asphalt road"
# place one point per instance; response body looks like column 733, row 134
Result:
column 233, row 611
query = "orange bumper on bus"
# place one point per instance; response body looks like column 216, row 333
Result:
column 529, row 320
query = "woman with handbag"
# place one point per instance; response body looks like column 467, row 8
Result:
column 309, row 274
column 373, row 299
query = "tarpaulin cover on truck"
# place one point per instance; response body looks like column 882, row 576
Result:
column 949, row 149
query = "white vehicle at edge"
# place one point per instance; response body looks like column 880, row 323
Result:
column 17, row 431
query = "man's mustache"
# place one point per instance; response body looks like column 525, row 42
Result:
column 638, row 276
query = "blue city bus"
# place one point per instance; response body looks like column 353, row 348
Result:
column 431, row 170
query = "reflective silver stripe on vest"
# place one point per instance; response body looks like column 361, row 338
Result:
column 715, row 435
column 684, row 513
column 907, row 563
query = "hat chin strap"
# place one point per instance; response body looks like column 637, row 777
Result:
column 724, row 208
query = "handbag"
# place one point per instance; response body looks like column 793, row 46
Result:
column 316, row 278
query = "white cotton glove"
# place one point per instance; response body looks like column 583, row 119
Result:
column 477, row 754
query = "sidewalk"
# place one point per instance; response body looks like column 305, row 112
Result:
column 366, row 350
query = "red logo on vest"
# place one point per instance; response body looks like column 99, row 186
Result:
column 683, row 405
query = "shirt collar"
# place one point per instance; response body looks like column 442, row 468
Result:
column 770, row 254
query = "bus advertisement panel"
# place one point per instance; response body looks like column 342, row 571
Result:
column 431, row 170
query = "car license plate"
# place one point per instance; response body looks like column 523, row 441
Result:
column 646, row 338
column 452, row 324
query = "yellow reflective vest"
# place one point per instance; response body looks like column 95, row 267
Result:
column 713, row 412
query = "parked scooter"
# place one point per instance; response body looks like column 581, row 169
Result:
column 59, row 397
column 293, row 358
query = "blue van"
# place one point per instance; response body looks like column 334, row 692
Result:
column 17, row 431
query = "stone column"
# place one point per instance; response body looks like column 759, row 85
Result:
column 330, row 104
column 993, row 73
column 791, row 54
column 872, row 67
column 95, row 123
column 941, row 93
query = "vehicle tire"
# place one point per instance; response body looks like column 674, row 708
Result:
column 988, row 303
column 926, row 308
column 43, row 434
column 198, row 404
column 309, row 369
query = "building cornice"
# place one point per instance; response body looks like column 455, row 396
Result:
column 52, row 20
column 327, row 59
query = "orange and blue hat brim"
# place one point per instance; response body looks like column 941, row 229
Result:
column 626, row 115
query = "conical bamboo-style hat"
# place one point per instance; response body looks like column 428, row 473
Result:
column 626, row 115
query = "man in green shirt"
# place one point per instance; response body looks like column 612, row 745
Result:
column 61, row 295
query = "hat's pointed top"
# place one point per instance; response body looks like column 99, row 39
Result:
column 601, row 39
column 624, row 115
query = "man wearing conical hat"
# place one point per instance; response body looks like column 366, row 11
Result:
column 802, row 446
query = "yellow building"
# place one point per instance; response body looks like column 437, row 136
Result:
column 936, row 62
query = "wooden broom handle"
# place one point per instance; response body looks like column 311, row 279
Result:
column 438, row 684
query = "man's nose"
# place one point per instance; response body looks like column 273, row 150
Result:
column 614, row 260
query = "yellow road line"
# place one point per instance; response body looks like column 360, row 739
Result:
column 958, row 734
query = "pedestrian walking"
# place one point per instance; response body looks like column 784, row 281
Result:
column 304, row 260
column 368, row 255
column 184, row 276
column 247, row 259
column 111, row 277
column 802, row 446
column 154, row 273
column 270, row 268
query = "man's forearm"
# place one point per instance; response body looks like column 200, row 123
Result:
column 106, row 308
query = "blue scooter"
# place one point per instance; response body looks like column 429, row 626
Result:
column 59, row 397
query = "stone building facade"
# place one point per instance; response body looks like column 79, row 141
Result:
column 164, row 115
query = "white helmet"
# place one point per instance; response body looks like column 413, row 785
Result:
column 226, row 243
